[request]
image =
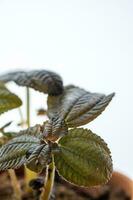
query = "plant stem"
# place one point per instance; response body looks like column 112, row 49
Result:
column 28, row 106
column 49, row 182
column 15, row 184
column 29, row 175
column 21, row 115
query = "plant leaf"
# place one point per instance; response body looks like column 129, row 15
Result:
column 77, row 106
column 35, row 131
column 5, row 125
column 54, row 129
column 8, row 100
column 13, row 154
column 41, row 80
column 39, row 158
column 32, row 131
column 83, row 158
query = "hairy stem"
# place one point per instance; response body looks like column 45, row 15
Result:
column 29, row 175
column 15, row 184
column 49, row 182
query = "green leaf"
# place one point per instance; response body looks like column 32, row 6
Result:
column 13, row 154
column 41, row 80
column 39, row 158
column 83, row 158
column 77, row 106
column 8, row 100
column 9, row 135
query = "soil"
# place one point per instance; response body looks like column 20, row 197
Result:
column 64, row 191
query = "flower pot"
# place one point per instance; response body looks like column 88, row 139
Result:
column 122, row 181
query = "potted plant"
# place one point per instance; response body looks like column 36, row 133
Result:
column 81, row 157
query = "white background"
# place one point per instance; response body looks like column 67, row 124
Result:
column 90, row 44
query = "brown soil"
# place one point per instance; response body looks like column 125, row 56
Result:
column 64, row 191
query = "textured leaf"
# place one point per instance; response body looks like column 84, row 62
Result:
column 83, row 158
column 39, row 158
column 36, row 131
column 33, row 131
column 13, row 154
column 54, row 129
column 77, row 106
column 41, row 80
column 8, row 100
